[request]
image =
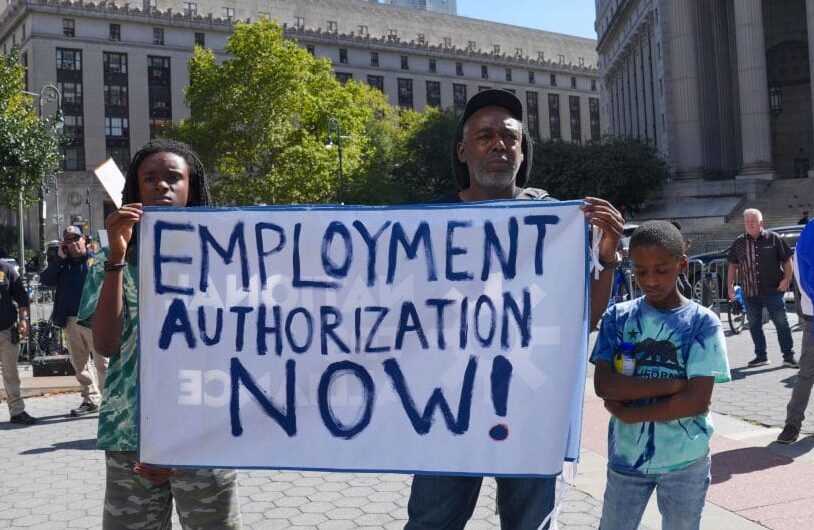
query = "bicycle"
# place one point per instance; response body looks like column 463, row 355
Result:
column 737, row 311
column 621, row 286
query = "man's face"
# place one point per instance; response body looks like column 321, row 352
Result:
column 752, row 225
column 492, row 148
column 74, row 245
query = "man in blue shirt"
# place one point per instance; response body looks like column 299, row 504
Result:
column 67, row 272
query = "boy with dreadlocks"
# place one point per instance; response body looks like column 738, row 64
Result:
column 659, row 429
column 137, row 495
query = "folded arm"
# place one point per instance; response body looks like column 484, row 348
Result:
column 694, row 400
column 616, row 387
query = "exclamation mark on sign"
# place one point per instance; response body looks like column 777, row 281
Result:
column 501, row 376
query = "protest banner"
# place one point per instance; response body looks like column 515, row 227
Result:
column 435, row 339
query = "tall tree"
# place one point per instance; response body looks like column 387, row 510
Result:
column 259, row 119
column 29, row 145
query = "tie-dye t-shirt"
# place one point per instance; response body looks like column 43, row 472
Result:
column 117, row 413
column 685, row 342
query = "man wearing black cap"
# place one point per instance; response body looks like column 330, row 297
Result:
column 67, row 272
column 491, row 159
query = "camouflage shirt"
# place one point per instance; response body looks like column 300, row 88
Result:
column 118, row 411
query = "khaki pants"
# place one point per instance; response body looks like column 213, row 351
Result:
column 11, row 378
column 80, row 344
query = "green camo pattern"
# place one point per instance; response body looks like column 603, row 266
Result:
column 117, row 413
column 205, row 499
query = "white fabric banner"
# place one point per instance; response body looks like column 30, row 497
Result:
column 446, row 338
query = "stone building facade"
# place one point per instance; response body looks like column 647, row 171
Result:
column 721, row 87
column 122, row 69
column 439, row 6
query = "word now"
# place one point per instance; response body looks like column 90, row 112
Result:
column 421, row 420
column 339, row 250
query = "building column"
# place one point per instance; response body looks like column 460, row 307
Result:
column 754, row 91
column 684, row 127
column 810, row 16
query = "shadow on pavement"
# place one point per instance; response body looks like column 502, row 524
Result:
column 789, row 381
column 743, row 461
column 743, row 371
column 802, row 446
column 46, row 420
column 80, row 445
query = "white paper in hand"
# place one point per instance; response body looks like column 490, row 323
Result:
column 112, row 179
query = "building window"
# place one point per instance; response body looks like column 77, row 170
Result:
column 23, row 36
column 553, row 80
column 376, row 81
column 148, row 4
column 531, row 79
column 405, row 62
column 432, row 66
column 508, row 74
column 115, row 32
column 74, row 159
column 333, row 27
column 484, row 71
column 554, row 115
column 421, row 39
column 343, row 55
column 593, row 111
column 115, row 63
column 159, row 96
column 299, row 22
column 593, row 85
column 459, row 97
column 229, row 12
column 343, row 77
column 447, row 42
column 374, row 59
column 71, row 92
column 190, row 9
column 73, row 126
column 533, row 112
column 120, row 155
column 405, row 93
column 471, row 45
column 68, row 27
column 363, row 31
column 115, row 95
column 576, row 122
column 310, row 49
column 433, row 94
column 69, row 60
column 573, row 82
column 496, row 48
column 459, row 68
column 116, row 127
column 158, row 36
column 200, row 39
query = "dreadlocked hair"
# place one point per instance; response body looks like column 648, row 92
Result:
column 198, row 191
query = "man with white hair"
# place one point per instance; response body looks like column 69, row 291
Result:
column 764, row 261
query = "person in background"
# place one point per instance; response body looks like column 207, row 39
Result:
column 13, row 326
column 67, row 271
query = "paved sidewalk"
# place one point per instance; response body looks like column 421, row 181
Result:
column 53, row 476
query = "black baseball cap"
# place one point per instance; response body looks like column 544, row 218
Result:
column 491, row 98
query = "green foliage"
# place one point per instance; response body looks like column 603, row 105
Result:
column 259, row 120
column 622, row 170
column 29, row 146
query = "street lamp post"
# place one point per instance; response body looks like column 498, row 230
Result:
column 48, row 93
column 335, row 130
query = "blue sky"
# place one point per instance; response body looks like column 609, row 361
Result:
column 572, row 17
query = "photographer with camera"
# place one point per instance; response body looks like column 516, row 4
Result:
column 67, row 272
column 13, row 304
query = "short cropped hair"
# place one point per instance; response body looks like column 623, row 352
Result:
column 753, row 212
column 658, row 234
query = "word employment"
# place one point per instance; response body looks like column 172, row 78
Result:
column 362, row 338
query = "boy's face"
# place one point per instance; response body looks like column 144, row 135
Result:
column 656, row 272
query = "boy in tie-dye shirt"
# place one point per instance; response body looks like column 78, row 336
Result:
column 659, row 430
